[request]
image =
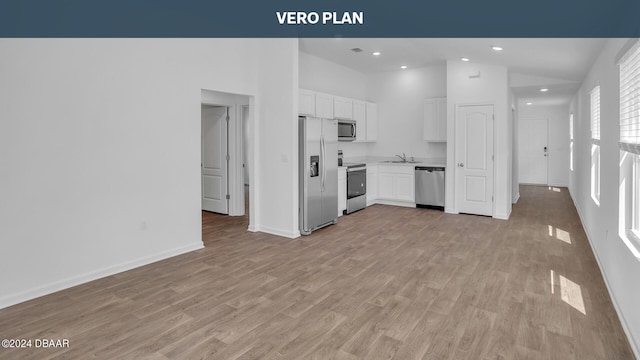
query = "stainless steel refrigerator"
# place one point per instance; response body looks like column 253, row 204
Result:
column 318, row 167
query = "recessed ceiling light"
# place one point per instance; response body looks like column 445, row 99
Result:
column 376, row 53
column 496, row 48
column 403, row 67
column 464, row 59
column 529, row 103
column 544, row 89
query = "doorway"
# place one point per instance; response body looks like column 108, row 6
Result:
column 474, row 177
column 226, row 154
column 533, row 152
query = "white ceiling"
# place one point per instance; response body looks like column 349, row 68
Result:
column 559, row 64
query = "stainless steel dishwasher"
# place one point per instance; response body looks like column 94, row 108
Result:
column 430, row 187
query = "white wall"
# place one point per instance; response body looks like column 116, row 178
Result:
column 557, row 117
column 617, row 262
column 321, row 75
column 100, row 144
column 400, row 95
column 490, row 88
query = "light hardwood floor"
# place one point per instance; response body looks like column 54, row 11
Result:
column 384, row 283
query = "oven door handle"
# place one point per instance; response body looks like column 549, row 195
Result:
column 356, row 168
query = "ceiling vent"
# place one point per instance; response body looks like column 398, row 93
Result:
column 356, row 50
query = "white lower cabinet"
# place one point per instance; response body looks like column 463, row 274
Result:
column 396, row 184
column 342, row 190
column 372, row 184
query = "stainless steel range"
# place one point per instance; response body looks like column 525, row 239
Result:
column 356, row 187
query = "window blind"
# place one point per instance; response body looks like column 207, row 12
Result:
column 595, row 114
column 630, row 100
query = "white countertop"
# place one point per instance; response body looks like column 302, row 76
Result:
column 439, row 162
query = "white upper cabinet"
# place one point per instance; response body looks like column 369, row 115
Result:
column 372, row 121
column 306, row 102
column 327, row 106
column 324, row 106
column 360, row 116
column 342, row 108
column 435, row 120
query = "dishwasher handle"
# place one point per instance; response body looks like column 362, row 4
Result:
column 429, row 168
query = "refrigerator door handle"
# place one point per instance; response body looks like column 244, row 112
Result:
column 322, row 162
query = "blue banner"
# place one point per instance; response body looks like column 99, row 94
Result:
column 319, row 18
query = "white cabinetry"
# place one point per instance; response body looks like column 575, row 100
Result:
column 372, row 184
column 324, row 106
column 360, row 116
column 366, row 116
column 372, row 121
column 342, row 190
column 306, row 102
column 435, row 120
column 342, row 108
column 327, row 106
column 396, row 185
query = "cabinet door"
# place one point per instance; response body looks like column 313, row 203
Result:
column 324, row 106
column 306, row 102
column 342, row 108
column 385, row 185
column 372, row 121
column 442, row 119
column 435, row 119
column 372, row 184
column 360, row 116
column 404, row 187
column 430, row 127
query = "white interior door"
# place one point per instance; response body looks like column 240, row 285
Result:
column 474, row 160
column 533, row 151
column 214, row 159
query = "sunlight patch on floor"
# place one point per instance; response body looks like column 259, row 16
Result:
column 560, row 234
column 571, row 293
column 555, row 189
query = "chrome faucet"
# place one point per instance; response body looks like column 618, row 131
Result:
column 403, row 157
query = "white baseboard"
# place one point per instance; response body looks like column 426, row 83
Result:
column 395, row 203
column 279, row 232
column 252, row 228
column 94, row 275
column 517, row 197
column 634, row 345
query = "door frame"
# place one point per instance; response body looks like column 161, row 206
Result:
column 235, row 176
column 456, row 171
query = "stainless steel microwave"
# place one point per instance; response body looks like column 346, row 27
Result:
column 346, row 130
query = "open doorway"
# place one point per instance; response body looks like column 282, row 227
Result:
column 226, row 155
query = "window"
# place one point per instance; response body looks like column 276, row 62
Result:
column 635, row 202
column 571, row 142
column 630, row 148
column 595, row 147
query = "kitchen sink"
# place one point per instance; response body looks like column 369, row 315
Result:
column 399, row 162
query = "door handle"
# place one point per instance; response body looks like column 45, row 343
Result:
column 460, row 164
column 322, row 162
